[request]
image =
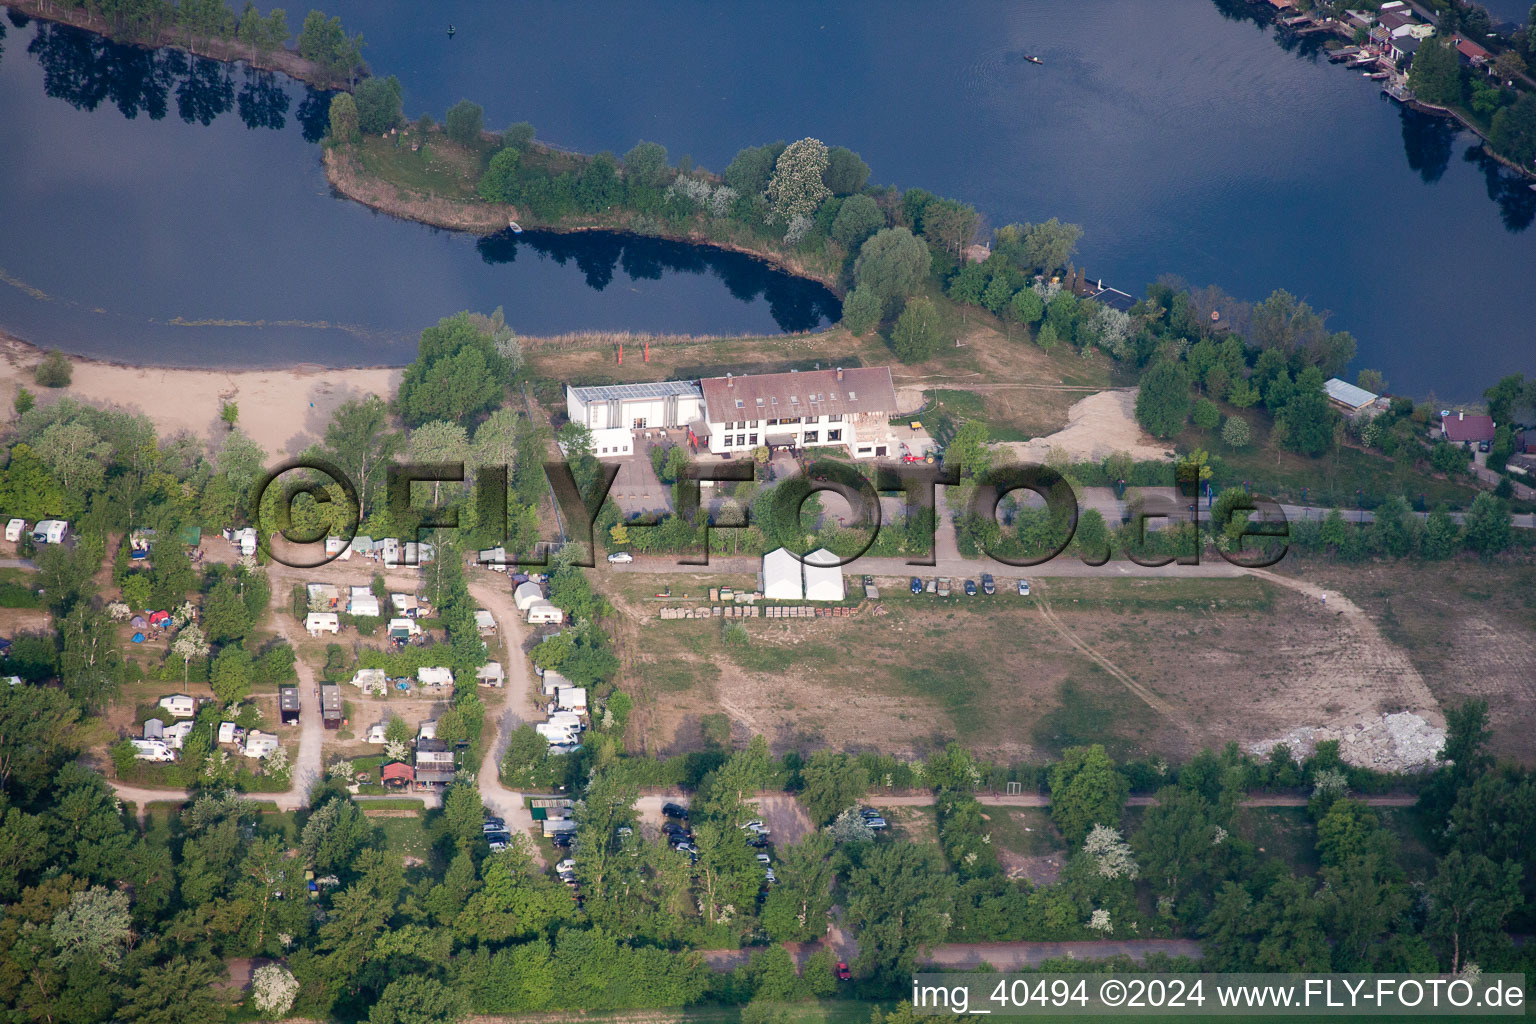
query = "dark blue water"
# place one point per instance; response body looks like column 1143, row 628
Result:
column 173, row 210
column 1180, row 135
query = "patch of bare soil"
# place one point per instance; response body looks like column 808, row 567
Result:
column 1097, row 426
column 1041, row 869
column 785, row 818
column 1254, row 674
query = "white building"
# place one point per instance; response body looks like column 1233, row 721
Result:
column 572, row 698
column 316, row 623
column 367, row 606
column 229, row 732
column 551, row 682
column 179, row 705
column 850, row 408
column 491, row 674
column 434, row 676
column 823, row 576
column 614, row 413
column 782, row 580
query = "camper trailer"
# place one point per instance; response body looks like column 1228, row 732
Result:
column 316, row 623
column 179, row 705
column 50, row 531
column 14, row 529
column 152, row 750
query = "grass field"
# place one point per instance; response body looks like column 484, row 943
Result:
column 1228, row 656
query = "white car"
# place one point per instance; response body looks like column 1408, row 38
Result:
column 620, row 558
column 1023, row 588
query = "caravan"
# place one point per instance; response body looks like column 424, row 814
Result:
column 316, row 623
column 50, row 531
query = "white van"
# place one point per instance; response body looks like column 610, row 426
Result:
column 152, row 750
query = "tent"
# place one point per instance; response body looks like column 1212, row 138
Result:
column 137, row 622
column 159, row 618
column 781, row 576
column 527, row 594
column 138, row 638
column 823, row 576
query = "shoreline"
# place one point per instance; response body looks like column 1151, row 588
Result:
column 283, row 60
column 348, row 180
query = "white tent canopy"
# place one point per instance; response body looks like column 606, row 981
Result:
column 526, row 594
column 781, row 576
column 823, row 576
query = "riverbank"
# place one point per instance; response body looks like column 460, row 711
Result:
column 284, row 410
column 457, row 209
column 224, row 50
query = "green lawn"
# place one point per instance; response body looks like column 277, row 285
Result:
column 405, row 836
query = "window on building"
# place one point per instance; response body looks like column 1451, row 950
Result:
column 752, row 439
column 752, row 424
column 812, row 436
column 774, row 399
column 834, row 435
column 836, row 417
column 639, row 422
column 852, row 397
column 740, row 440
column 740, row 404
column 759, row 403
column 794, row 399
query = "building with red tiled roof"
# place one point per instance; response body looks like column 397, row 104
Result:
column 1459, row 428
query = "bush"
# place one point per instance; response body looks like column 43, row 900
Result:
column 378, row 104
column 1236, row 432
column 54, row 371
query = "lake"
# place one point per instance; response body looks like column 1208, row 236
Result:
column 1186, row 143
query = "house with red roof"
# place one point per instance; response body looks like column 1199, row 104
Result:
column 1459, row 428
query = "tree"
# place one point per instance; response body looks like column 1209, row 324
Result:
column 176, row 992
column 832, row 782
column 416, row 999
column 950, row 224
column 1436, row 73
column 857, row 218
column 518, row 137
column 916, row 335
column 90, row 661
column 224, row 613
column 751, row 169
column 646, row 165
column 55, row 371
column 861, row 311
column 1469, row 898
column 1235, row 432
column 796, row 189
column 1503, row 396
column 189, row 644
column 344, row 123
column 1389, row 530
column 333, row 835
column 845, row 172
column 1488, row 525
column 231, row 674
column 898, row 900
column 37, row 733
column 273, row 990
column 850, row 827
column 891, row 264
column 94, row 929
column 1514, row 130
column 25, row 400
column 378, row 104
column 1027, row 307
column 326, row 43
column 1309, row 419
column 262, row 35
column 1162, row 402
column 459, row 372
column 465, row 123
column 1442, row 537
column 1044, row 247
column 1205, row 415
column 1086, row 791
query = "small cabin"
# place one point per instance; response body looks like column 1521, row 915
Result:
column 317, row 623
column 330, row 706
column 288, row 704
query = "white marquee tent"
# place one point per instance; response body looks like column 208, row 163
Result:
column 823, row 576
column 781, row 576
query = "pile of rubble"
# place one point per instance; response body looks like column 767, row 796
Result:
column 1401, row 742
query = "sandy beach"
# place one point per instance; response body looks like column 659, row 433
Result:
column 283, row 410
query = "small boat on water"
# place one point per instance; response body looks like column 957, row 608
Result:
column 515, row 227
column 1033, row 59
column 451, row 31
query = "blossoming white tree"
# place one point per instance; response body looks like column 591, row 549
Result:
column 796, row 189
column 273, row 989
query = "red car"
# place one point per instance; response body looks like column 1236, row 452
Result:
column 843, row 974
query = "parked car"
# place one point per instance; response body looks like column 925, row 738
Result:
column 943, row 586
column 675, row 811
column 764, row 859
column 970, row 588
column 988, row 584
column 917, row 585
column 869, row 812
column 757, row 841
column 770, row 877
column 754, row 824
column 875, row 823
column 620, row 558
column 1023, row 588
column 843, row 973
column 1484, row 446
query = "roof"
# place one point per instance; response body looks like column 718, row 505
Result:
column 288, row 698
column 1468, row 49
column 637, row 392
column 1405, row 44
column 432, row 776
column 397, row 770
column 1345, row 393
column 823, row 576
column 808, row 393
column 1462, row 427
column 1393, row 20
column 330, row 699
